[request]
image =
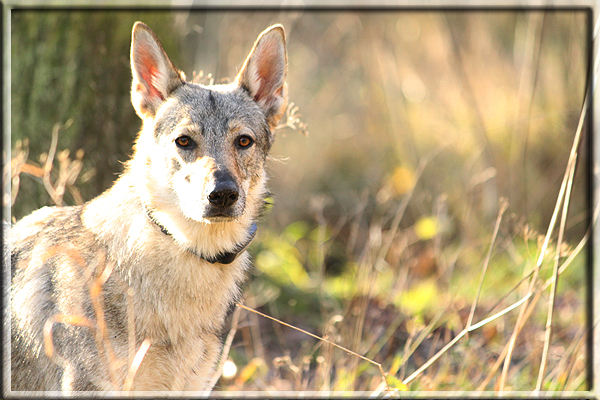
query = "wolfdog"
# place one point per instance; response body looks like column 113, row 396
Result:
column 149, row 269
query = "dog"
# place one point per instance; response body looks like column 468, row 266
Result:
column 149, row 270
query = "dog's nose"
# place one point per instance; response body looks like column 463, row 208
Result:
column 223, row 198
column 225, row 193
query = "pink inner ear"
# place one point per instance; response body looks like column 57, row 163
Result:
column 260, row 93
column 148, row 71
column 267, row 71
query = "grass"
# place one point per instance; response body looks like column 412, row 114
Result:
column 384, row 332
column 479, row 339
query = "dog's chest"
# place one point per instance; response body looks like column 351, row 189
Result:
column 184, row 296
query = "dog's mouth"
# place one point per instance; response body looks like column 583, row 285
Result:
column 218, row 214
column 209, row 213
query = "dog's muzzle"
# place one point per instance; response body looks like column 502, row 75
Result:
column 224, row 200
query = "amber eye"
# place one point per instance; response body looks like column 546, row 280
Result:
column 184, row 142
column 244, row 142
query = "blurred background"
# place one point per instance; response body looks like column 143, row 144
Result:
column 411, row 134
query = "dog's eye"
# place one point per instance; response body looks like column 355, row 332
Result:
column 244, row 142
column 184, row 142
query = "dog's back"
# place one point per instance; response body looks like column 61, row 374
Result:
column 154, row 264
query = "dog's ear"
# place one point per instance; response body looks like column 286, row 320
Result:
column 264, row 72
column 154, row 76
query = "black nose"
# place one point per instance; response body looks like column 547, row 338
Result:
column 225, row 193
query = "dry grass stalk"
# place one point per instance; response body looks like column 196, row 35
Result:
column 559, row 203
column 137, row 360
column 383, row 376
column 293, row 120
column 549, row 282
column 68, row 170
column 503, row 207
column 552, row 299
column 226, row 347
column 410, row 350
column 99, row 326
column 463, row 333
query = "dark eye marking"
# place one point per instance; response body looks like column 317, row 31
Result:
column 176, row 165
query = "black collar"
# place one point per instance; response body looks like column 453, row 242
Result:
column 221, row 258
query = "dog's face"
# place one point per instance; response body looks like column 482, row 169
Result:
column 209, row 143
column 213, row 146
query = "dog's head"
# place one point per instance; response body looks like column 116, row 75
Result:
column 203, row 148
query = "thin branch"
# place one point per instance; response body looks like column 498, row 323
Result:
column 135, row 365
column 48, row 166
column 321, row 339
column 559, row 202
column 460, row 335
column 552, row 299
column 563, row 267
column 224, row 353
column 503, row 207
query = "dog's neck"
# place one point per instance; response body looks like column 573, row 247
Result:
column 221, row 258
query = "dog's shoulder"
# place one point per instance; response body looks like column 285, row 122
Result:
column 51, row 225
column 49, row 234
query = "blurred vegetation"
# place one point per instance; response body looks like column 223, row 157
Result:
column 74, row 66
column 420, row 123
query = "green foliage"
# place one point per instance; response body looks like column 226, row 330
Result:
column 281, row 260
column 419, row 299
column 342, row 286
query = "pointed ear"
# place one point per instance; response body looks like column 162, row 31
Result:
column 264, row 72
column 154, row 76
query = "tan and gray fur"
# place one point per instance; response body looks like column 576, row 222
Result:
column 191, row 191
